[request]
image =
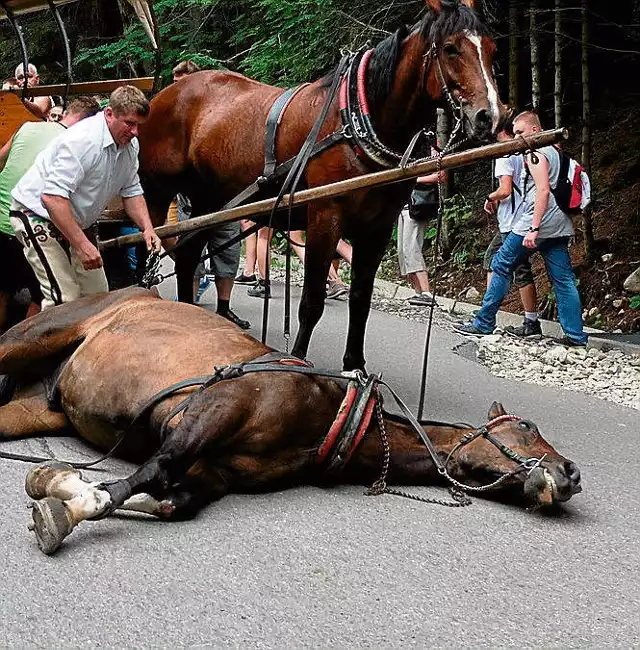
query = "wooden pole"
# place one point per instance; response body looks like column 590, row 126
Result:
column 386, row 177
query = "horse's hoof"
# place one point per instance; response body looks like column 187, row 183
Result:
column 52, row 522
column 39, row 478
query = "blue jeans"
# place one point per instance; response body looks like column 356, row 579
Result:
column 132, row 256
column 558, row 264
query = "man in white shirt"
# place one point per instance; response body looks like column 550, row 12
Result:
column 66, row 190
column 506, row 202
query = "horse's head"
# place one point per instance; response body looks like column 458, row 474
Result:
column 459, row 66
column 513, row 449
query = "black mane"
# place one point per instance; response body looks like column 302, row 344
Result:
column 433, row 28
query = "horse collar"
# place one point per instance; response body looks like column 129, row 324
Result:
column 356, row 116
column 350, row 425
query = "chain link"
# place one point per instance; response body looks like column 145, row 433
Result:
column 459, row 498
column 151, row 276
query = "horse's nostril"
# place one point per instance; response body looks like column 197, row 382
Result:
column 572, row 472
column 483, row 120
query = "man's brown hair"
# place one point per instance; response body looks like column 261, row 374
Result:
column 186, row 67
column 531, row 118
column 85, row 106
column 128, row 99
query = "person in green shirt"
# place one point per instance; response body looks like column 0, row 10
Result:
column 16, row 157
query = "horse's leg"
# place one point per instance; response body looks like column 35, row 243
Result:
column 323, row 233
column 54, row 518
column 368, row 250
column 187, row 257
column 29, row 415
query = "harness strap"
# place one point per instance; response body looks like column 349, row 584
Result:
column 344, row 437
column 273, row 122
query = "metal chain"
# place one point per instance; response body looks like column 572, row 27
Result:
column 151, row 276
column 380, row 486
column 460, row 499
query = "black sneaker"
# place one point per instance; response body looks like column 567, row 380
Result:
column 469, row 329
column 260, row 290
column 337, row 289
column 246, row 279
column 569, row 343
column 236, row 320
column 530, row 329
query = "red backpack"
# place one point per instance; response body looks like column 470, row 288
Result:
column 573, row 189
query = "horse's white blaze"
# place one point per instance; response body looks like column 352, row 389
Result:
column 492, row 95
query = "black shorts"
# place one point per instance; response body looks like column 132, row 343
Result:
column 522, row 274
column 15, row 272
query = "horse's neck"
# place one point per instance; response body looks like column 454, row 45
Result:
column 407, row 108
column 410, row 463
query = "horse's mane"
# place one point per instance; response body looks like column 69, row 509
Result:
column 432, row 28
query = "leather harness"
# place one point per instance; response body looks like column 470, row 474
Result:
column 344, row 435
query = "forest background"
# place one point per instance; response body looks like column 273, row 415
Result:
column 574, row 61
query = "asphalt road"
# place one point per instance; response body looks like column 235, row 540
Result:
column 332, row 568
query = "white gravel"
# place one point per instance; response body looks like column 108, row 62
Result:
column 612, row 375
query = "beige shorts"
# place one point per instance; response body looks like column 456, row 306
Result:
column 60, row 273
column 410, row 242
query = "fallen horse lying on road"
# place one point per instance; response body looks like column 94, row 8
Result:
column 121, row 367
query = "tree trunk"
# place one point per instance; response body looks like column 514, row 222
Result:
column 513, row 53
column 587, row 223
column 535, row 54
column 557, row 91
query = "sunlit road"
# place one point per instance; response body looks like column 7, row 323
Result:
column 333, row 568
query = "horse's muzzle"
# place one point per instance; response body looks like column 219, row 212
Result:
column 553, row 483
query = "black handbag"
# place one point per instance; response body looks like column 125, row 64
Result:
column 424, row 202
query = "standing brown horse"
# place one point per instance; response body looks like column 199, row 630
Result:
column 205, row 138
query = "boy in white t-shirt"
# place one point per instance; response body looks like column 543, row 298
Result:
column 506, row 203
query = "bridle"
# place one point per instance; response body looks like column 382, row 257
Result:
column 524, row 464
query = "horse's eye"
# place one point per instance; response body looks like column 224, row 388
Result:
column 525, row 425
column 451, row 50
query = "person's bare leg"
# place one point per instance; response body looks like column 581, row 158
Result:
column 529, row 298
column 224, row 286
column 298, row 237
column 419, row 281
column 334, row 276
column 264, row 239
column 251, row 250
column 345, row 251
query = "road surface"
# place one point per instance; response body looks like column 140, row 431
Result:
column 313, row 568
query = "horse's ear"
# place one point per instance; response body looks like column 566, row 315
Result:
column 496, row 410
column 434, row 5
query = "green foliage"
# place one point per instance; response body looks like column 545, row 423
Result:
column 282, row 35
column 634, row 303
column 458, row 210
